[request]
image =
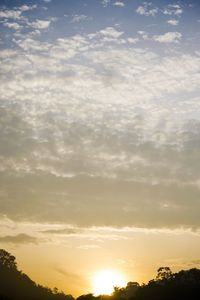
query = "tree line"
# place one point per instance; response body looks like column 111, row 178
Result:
column 15, row 285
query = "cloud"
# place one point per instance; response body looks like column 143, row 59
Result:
column 168, row 37
column 146, row 10
column 65, row 231
column 106, row 35
column 11, row 14
column 14, row 26
column 32, row 44
column 66, row 48
column 80, row 18
column 119, row 3
column 111, row 32
column 173, row 22
column 131, row 203
column 41, row 24
column 16, row 13
column 143, row 34
column 27, row 7
column 173, row 9
column 87, row 124
column 105, row 2
column 132, row 40
column 18, row 239
column 7, row 53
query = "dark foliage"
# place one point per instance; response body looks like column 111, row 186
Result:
column 167, row 286
column 182, row 285
column 15, row 285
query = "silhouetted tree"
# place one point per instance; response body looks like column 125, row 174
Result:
column 164, row 273
column 15, row 285
column 89, row 296
column 127, row 292
column 7, row 260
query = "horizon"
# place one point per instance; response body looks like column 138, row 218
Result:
column 107, row 285
column 99, row 138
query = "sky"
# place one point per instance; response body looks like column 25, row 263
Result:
column 99, row 138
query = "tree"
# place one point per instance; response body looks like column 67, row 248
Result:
column 164, row 273
column 131, row 289
column 7, row 260
column 89, row 296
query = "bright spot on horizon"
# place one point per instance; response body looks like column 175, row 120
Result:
column 106, row 280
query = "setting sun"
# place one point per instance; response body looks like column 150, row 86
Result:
column 106, row 280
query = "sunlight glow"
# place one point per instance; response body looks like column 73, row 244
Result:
column 106, row 280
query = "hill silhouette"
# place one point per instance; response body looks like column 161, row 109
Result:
column 184, row 285
column 15, row 285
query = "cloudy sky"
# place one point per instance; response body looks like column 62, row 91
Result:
column 99, row 137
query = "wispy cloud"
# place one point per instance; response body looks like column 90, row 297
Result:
column 105, row 2
column 18, row 239
column 173, row 9
column 147, row 10
column 119, row 3
column 16, row 13
column 27, row 7
column 10, row 14
column 41, row 24
column 173, row 22
column 111, row 32
column 168, row 37
column 80, row 18
column 13, row 25
column 65, row 231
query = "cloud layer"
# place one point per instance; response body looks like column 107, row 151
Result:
column 96, row 122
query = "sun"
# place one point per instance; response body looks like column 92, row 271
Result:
column 105, row 281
